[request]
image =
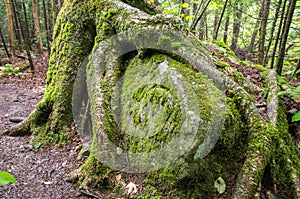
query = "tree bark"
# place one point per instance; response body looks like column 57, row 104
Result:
column 272, row 31
column 26, row 42
column 17, row 25
column 254, row 35
column 220, row 20
column 10, row 28
column 118, row 88
column 284, row 36
column 4, row 44
column 36, row 19
column 277, row 39
column 46, row 26
column 226, row 28
column 236, row 26
column 262, row 31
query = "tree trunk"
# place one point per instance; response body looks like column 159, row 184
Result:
column 10, row 27
column 46, row 25
column 297, row 69
column 149, row 103
column 26, row 29
column 236, row 26
column 36, row 19
column 198, row 18
column 220, row 20
column 277, row 39
column 17, row 25
column 225, row 35
column 284, row 36
column 272, row 31
column 262, row 31
column 4, row 44
column 26, row 42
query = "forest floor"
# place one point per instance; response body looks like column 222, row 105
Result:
column 40, row 170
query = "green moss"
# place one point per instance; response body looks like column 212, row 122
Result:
column 223, row 64
column 260, row 67
column 287, row 160
column 157, row 58
column 244, row 63
column 221, row 52
column 164, row 40
column 228, row 50
column 176, row 45
column 110, row 12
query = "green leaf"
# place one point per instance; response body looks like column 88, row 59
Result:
column 152, row 1
column 6, row 178
column 299, row 145
column 185, row 5
column 119, row 151
column 297, row 89
column 220, row 185
column 189, row 17
column 296, row 117
column 38, row 145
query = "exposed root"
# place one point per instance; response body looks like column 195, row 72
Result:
column 272, row 100
column 23, row 128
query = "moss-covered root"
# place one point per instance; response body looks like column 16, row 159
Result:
column 22, row 128
column 272, row 100
column 286, row 170
column 92, row 171
column 260, row 141
column 37, row 116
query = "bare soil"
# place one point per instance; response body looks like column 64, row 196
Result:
column 39, row 170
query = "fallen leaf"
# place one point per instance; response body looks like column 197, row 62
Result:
column 131, row 188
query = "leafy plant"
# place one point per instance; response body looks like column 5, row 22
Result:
column 6, row 178
column 296, row 117
column 220, row 185
column 9, row 70
column 293, row 93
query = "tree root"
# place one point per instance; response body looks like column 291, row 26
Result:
column 24, row 127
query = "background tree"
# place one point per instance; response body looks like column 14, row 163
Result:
column 236, row 25
column 262, row 31
column 36, row 18
column 10, row 27
column 284, row 35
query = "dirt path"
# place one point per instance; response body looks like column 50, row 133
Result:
column 39, row 172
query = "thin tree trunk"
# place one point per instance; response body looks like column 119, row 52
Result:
column 220, row 20
column 262, row 31
column 36, row 19
column 26, row 26
column 17, row 25
column 50, row 19
column 236, row 26
column 216, row 20
column 197, row 19
column 272, row 31
column 46, row 26
column 278, row 35
column 4, row 44
column 285, row 35
column 297, row 69
column 225, row 36
column 254, row 35
column 10, row 28
column 25, row 43
column 54, row 9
